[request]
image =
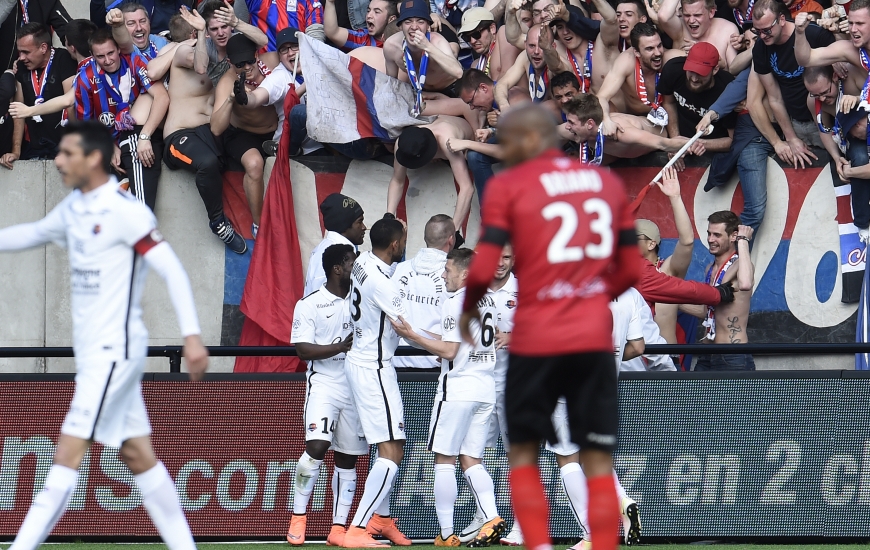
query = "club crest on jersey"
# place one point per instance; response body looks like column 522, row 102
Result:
column 449, row 323
column 312, row 427
column 297, row 323
column 402, row 426
column 107, row 119
column 97, row 229
column 397, row 302
column 511, row 304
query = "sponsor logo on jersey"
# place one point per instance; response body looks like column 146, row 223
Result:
column 511, row 304
column 96, row 229
column 107, row 119
column 402, row 426
column 297, row 323
column 449, row 323
column 312, row 427
column 397, row 302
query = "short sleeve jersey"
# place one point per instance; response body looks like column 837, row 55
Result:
column 63, row 66
column 626, row 321
column 424, row 295
column 374, row 300
column 106, row 232
column 779, row 59
column 322, row 318
column 692, row 106
column 469, row 376
column 563, row 219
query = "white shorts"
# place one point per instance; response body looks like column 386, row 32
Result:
column 564, row 447
column 330, row 416
column 378, row 402
column 498, row 423
column 459, row 428
column 107, row 405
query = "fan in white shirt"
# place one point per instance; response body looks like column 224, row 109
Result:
column 422, row 285
column 464, row 402
column 343, row 220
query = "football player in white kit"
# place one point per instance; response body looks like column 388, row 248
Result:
column 464, row 401
column 422, row 286
column 374, row 298
column 628, row 343
column 111, row 240
column 322, row 335
column 343, row 221
column 504, row 292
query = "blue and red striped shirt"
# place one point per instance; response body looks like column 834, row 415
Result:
column 101, row 96
column 359, row 38
column 271, row 16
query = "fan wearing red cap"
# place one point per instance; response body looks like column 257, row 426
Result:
column 417, row 146
column 690, row 22
column 689, row 87
column 418, row 56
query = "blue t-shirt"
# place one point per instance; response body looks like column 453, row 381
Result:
column 156, row 44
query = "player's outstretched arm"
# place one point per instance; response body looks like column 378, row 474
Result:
column 29, row 235
column 444, row 350
column 160, row 257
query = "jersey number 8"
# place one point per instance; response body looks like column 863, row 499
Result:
column 559, row 252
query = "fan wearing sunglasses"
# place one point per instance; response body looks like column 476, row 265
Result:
column 782, row 76
column 478, row 29
column 245, row 130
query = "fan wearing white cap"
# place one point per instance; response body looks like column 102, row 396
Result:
column 478, row 29
column 418, row 145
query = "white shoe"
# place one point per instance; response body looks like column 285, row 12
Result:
column 630, row 521
column 582, row 545
column 514, row 538
column 468, row 534
column 864, row 235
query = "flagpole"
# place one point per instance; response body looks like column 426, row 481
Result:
column 295, row 61
column 682, row 151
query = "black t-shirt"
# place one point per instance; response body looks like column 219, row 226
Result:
column 779, row 59
column 692, row 106
column 63, row 66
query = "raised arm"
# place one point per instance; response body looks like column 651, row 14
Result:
column 337, row 35
column 160, row 65
column 745, row 269
column 512, row 30
column 609, row 32
column 115, row 19
column 198, row 58
column 226, row 15
column 677, row 263
column 669, row 20
column 807, row 56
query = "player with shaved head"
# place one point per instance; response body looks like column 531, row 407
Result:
column 540, row 196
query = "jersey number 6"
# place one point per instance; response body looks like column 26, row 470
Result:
column 559, row 252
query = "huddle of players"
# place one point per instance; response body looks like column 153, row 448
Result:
column 357, row 312
column 224, row 104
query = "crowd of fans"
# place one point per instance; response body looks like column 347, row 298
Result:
column 626, row 78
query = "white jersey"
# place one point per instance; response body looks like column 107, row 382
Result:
column 316, row 277
column 505, row 306
column 322, row 318
column 626, row 321
column 99, row 229
column 374, row 297
column 469, row 376
column 423, row 290
column 277, row 84
column 651, row 335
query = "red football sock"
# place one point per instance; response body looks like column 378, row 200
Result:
column 603, row 512
column 530, row 507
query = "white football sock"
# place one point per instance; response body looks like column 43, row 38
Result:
column 383, row 508
column 343, row 491
column 445, row 497
column 161, row 501
column 377, row 489
column 620, row 490
column 47, row 508
column 481, row 485
column 574, row 483
column 307, row 470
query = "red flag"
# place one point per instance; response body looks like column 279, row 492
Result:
column 275, row 279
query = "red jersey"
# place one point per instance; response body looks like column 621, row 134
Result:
column 575, row 246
